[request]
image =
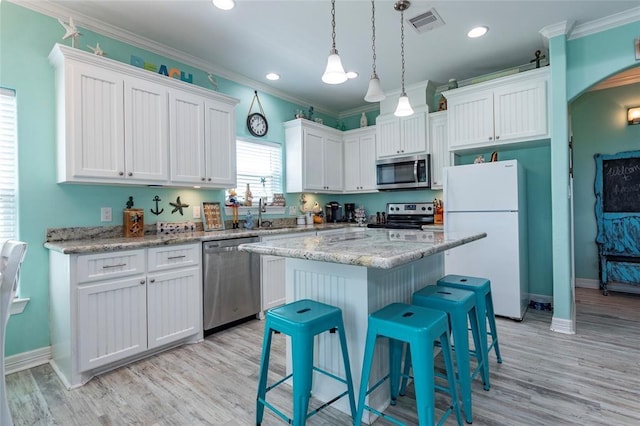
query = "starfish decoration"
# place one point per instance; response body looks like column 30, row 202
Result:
column 178, row 206
column 96, row 50
column 70, row 31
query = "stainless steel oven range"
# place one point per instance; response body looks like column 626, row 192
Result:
column 405, row 216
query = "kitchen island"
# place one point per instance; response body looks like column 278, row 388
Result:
column 359, row 272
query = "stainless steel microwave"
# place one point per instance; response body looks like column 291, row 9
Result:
column 412, row 172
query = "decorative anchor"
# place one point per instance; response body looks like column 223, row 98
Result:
column 156, row 211
column 178, row 206
column 538, row 58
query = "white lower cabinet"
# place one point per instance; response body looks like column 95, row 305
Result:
column 108, row 309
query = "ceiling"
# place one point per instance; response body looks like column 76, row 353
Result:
column 293, row 38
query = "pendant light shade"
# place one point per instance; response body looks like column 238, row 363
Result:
column 374, row 93
column 404, row 106
column 334, row 72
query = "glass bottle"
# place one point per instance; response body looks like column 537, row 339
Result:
column 248, row 197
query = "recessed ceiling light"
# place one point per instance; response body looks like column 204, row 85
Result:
column 224, row 4
column 272, row 76
column 351, row 74
column 477, row 32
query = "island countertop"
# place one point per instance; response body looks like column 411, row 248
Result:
column 374, row 248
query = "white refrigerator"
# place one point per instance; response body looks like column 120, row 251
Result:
column 491, row 198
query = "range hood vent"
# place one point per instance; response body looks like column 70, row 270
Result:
column 426, row 21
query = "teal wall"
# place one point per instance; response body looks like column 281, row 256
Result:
column 536, row 162
column 27, row 38
column 599, row 123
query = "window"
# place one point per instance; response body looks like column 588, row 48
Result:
column 259, row 164
column 8, row 165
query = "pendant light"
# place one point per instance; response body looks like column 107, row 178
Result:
column 404, row 107
column 334, row 73
column 374, row 93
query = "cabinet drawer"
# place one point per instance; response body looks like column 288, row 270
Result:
column 105, row 266
column 169, row 257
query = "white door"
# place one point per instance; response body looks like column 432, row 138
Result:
column 413, row 133
column 173, row 305
column 313, row 160
column 146, row 136
column 387, row 136
column 439, row 149
column 186, row 138
column 495, row 257
column 220, row 144
column 470, row 119
column 272, row 275
column 333, row 163
column 112, row 321
column 368, row 162
column 352, row 164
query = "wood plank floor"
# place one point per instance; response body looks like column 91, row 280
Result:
column 591, row 378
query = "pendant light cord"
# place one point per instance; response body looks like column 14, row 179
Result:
column 333, row 24
column 373, row 37
column 402, row 45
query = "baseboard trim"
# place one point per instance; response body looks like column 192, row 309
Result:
column 562, row 325
column 587, row 283
column 26, row 360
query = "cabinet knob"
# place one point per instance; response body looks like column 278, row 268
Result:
column 203, row 179
column 152, row 280
column 402, row 150
column 121, row 173
column 141, row 282
column 497, row 137
column 129, row 174
column 209, row 179
column 490, row 138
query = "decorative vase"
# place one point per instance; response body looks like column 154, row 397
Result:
column 363, row 120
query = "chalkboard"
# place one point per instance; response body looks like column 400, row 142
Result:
column 621, row 185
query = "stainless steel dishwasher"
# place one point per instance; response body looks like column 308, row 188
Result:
column 231, row 282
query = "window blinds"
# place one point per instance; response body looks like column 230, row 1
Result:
column 8, row 165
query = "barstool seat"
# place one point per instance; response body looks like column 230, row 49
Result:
column 459, row 305
column 302, row 321
column 484, row 301
column 420, row 328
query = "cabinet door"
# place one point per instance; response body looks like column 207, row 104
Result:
column 352, row 164
column 313, row 160
column 368, row 162
column 174, row 305
column 96, row 129
column 112, row 321
column 520, row 111
column 333, row 163
column 388, row 136
column 413, row 134
column 471, row 119
column 220, row 144
column 186, row 140
column 146, row 131
column 273, row 277
column 440, row 157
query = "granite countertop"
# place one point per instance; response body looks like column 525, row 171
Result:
column 375, row 248
column 100, row 244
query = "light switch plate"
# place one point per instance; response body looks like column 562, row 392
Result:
column 105, row 214
column 196, row 212
column 292, row 209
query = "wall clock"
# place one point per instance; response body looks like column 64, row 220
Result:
column 257, row 121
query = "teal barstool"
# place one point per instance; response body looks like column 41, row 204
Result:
column 484, row 302
column 302, row 321
column 459, row 305
column 420, row 328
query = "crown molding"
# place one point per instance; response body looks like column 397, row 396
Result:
column 355, row 111
column 606, row 23
column 58, row 11
column 555, row 30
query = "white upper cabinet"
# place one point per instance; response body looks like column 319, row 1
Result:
column 313, row 157
column 119, row 124
column 400, row 136
column 439, row 149
column 501, row 111
column 360, row 160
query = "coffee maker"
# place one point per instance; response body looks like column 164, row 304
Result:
column 333, row 212
column 350, row 212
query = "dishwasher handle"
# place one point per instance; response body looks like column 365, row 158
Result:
column 218, row 249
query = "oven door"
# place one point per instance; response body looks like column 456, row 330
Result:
column 403, row 173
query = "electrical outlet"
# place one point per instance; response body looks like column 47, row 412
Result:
column 292, row 209
column 196, row 212
column 105, row 214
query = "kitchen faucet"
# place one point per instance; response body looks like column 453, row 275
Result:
column 262, row 207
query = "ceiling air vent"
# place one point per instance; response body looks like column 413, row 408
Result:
column 426, row 21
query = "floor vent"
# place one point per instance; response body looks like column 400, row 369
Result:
column 426, row 21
